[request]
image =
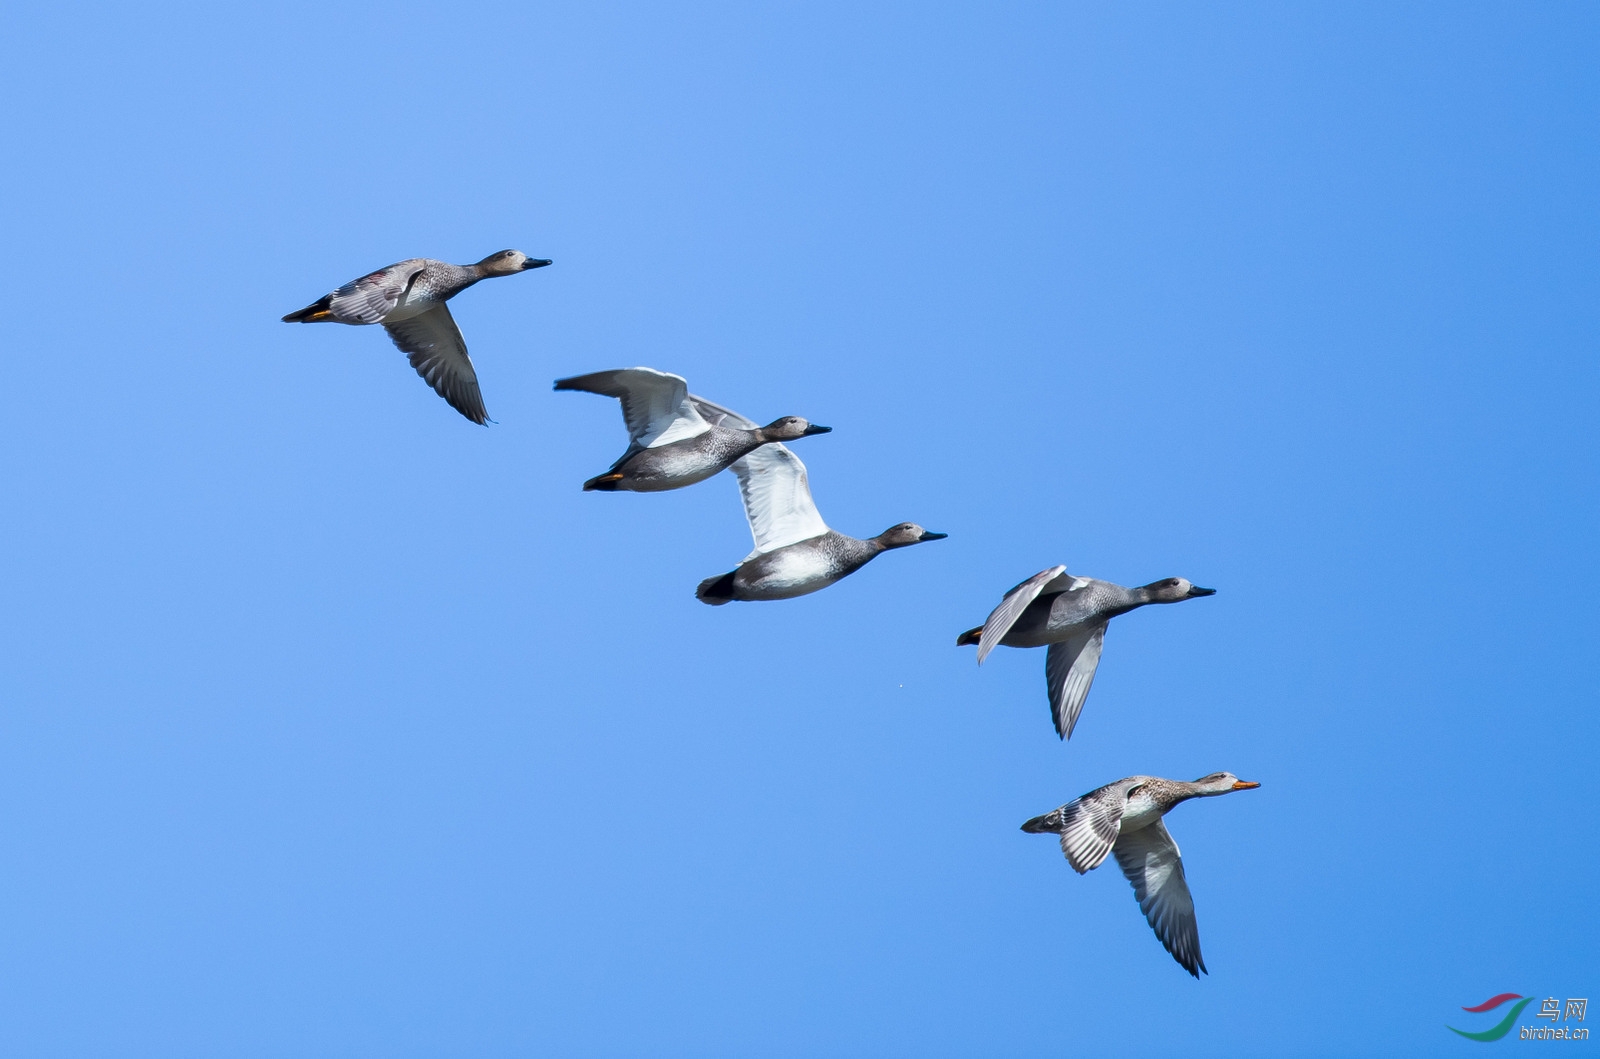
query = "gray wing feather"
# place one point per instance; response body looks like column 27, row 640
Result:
column 1069, row 668
column 372, row 297
column 655, row 404
column 1090, row 825
column 1150, row 860
column 432, row 343
column 719, row 416
column 1010, row 609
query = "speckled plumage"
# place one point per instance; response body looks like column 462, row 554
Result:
column 1125, row 818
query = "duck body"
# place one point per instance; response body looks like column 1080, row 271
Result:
column 675, row 439
column 677, row 464
column 794, row 570
column 1125, row 819
column 1068, row 615
column 418, row 285
column 1056, row 617
column 408, row 298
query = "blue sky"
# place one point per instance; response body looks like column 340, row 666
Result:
column 335, row 725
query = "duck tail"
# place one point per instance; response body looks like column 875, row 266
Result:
column 316, row 312
column 716, row 590
column 605, row 483
column 1048, row 824
column 969, row 637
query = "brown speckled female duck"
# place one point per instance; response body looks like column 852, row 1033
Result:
column 1125, row 818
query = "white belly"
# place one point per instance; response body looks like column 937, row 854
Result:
column 787, row 573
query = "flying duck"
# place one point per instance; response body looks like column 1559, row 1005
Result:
column 795, row 551
column 670, row 443
column 408, row 299
column 1070, row 615
column 1124, row 818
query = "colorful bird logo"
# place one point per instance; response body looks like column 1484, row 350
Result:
column 1501, row 1028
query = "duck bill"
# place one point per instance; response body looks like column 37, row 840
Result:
column 1244, row 785
column 814, row 429
column 1196, row 590
column 927, row 536
column 535, row 262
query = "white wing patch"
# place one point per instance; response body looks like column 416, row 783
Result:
column 777, row 499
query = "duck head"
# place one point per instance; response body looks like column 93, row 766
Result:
column 791, row 428
column 508, row 262
column 1222, row 783
column 907, row 533
column 1174, row 590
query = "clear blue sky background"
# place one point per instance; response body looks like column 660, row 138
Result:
column 335, row 726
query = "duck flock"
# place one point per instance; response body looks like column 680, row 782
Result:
column 676, row 439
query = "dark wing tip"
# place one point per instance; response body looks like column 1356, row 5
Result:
column 476, row 413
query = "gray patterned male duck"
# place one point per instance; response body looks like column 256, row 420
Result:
column 1070, row 615
column 408, row 299
column 1124, row 818
column 796, row 553
column 670, row 443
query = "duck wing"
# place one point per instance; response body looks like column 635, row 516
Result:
column 372, row 297
column 432, row 343
column 777, row 499
column 1069, row 670
column 1090, row 825
column 719, row 416
column 1054, row 580
column 655, row 404
column 1150, row 860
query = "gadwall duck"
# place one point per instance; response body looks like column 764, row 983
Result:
column 1125, row 818
column 670, row 444
column 408, row 299
column 1070, row 615
column 795, row 553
